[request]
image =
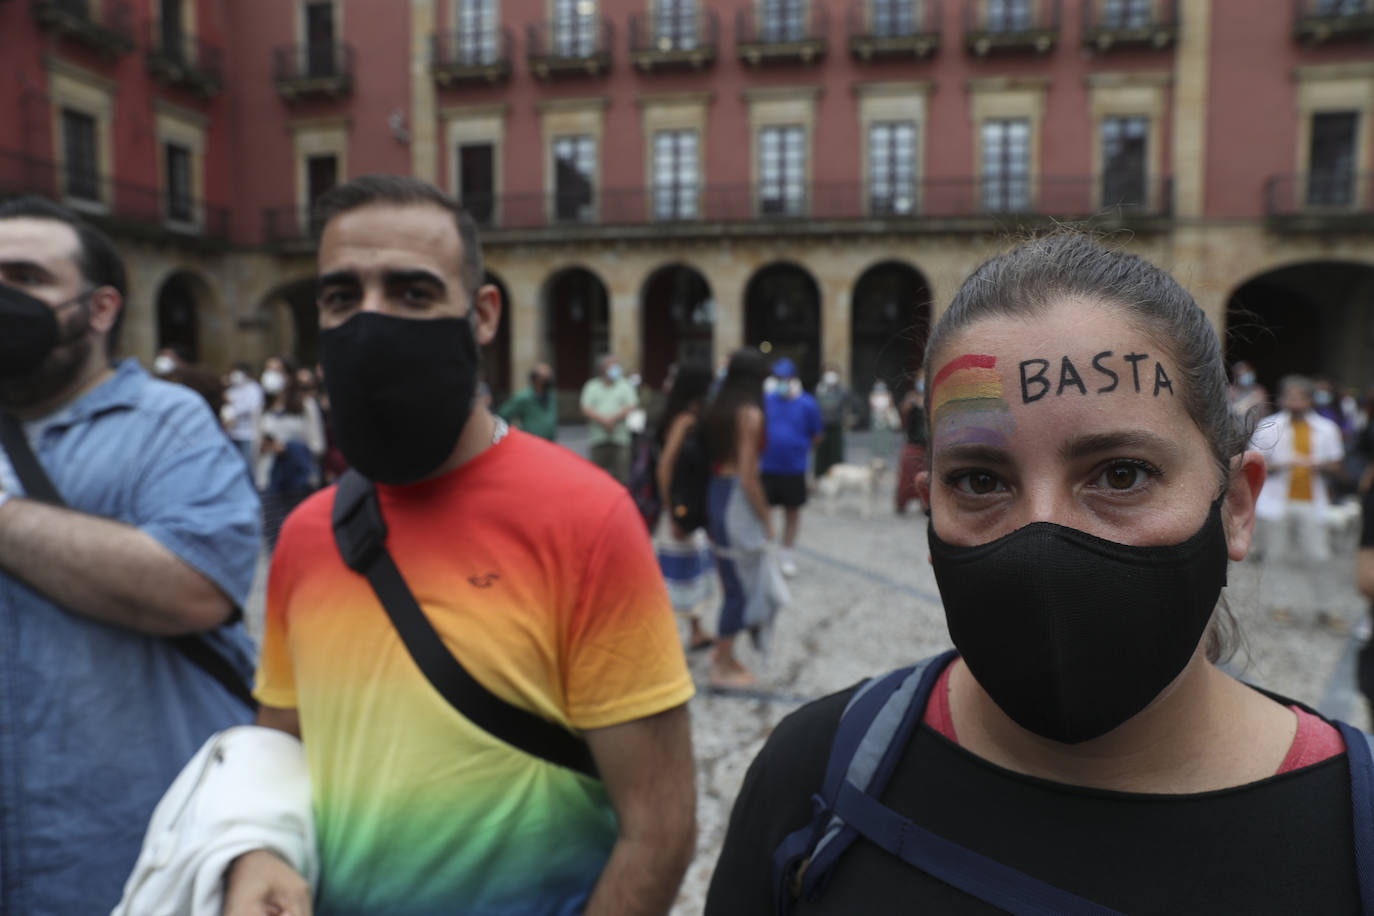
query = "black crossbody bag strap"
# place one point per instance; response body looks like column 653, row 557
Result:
column 39, row 486
column 360, row 533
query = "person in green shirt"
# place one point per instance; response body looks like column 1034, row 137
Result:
column 606, row 401
column 535, row 408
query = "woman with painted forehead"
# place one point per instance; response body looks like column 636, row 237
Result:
column 1079, row 751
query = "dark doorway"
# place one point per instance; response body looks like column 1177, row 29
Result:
column 782, row 317
column 677, row 315
column 178, row 317
column 577, row 325
column 496, row 354
column 889, row 322
column 1311, row 319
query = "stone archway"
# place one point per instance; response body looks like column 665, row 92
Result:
column 782, row 317
column 889, row 323
column 577, row 325
column 1310, row 318
column 290, row 321
column 186, row 320
column 677, row 317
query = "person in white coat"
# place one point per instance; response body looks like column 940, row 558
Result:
column 1300, row 448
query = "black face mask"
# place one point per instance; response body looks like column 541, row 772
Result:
column 1070, row 634
column 400, row 391
column 28, row 332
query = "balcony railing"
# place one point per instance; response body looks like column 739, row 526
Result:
column 109, row 31
column 576, row 46
column 1150, row 25
column 1320, row 202
column 479, row 57
column 1321, row 21
column 796, row 36
column 178, row 59
column 1032, row 27
column 123, row 207
column 894, row 30
column 931, row 205
column 313, row 70
column 665, row 42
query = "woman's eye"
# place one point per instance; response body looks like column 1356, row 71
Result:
column 978, row 483
column 1125, row 476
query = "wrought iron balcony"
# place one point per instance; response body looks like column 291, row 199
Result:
column 481, row 57
column 954, row 205
column 571, row 47
column 1029, row 28
column 683, row 42
column 781, row 38
column 124, row 208
column 893, row 31
column 1107, row 27
column 1320, row 202
column 313, row 70
column 1321, row 21
column 109, row 31
column 178, row 59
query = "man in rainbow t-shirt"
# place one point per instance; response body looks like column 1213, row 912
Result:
column 536, row 572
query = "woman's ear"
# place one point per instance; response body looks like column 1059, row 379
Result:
column 1238, row 510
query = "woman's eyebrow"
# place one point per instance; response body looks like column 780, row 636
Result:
column 1086, row 446
column 973, row 452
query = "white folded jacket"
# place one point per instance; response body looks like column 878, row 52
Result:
column 247, row 788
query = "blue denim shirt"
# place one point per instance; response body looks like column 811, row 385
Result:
column 96, row 720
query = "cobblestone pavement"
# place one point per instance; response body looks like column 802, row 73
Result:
column 865, row 601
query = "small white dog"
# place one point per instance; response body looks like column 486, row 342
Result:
column 858, row 479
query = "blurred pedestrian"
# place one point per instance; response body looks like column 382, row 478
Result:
column 242, row 411
column 834, row 401
column 882, row 441
column 290, row 444
column 686, row 568
column 1301, row 448
column 737, row 508
column 607, row 401
column 128, row 538
column 913, row 458
column 794, row 428
column 1247, row 398
column 1364, row 581
column 534, row 408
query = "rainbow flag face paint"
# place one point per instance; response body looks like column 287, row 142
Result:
column 967, row 404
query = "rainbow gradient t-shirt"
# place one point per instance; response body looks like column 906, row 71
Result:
column 536, row 570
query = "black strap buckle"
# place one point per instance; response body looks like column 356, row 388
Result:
column 359, row 528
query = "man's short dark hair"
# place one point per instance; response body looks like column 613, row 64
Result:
column 96, row 258
column 402, row 190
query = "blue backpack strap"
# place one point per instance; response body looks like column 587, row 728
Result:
column 873, row 732
column 974, row 874
column 1358, row 750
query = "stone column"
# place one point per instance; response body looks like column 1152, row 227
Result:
column 424, row 148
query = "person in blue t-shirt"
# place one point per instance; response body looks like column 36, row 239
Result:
column 794, row 427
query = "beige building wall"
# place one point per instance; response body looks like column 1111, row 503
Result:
column 243, row 316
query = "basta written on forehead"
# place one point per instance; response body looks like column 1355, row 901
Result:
column 970, row 406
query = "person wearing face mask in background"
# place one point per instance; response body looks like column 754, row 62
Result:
column 882, row 423
column 794, row 427
column 1247, row 398
column 607, row 401
column 139, row 558
column 1302, row 449
column 834, row 402
column 1080, row 750
column 535, row 407
column 291, row 442
column 242, row 410
column 533, row 570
